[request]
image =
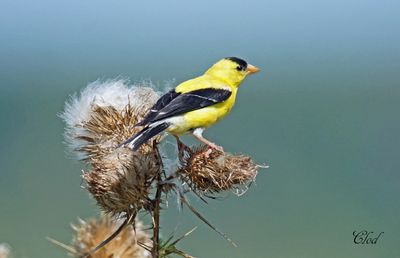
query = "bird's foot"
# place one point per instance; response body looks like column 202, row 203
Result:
column 215, row 147
column 207, row 153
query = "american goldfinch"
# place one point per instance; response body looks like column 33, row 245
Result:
column 196, row 104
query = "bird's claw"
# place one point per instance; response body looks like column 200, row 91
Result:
column 210, row 149
column 216, row 147
column 207, row 153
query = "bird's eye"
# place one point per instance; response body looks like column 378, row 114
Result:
column 239, row 68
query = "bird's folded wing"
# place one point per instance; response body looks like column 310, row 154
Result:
column 160, row 104
column 190, row 101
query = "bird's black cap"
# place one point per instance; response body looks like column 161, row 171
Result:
column 240, row 62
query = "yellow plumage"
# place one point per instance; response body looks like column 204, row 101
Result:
column 196, row 104
column 206, row 116
column 222, row 75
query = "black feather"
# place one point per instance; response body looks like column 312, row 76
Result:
column 242, row 64
column 174, row 104
column 160, row 104
column 191, row 101
column 144, row 135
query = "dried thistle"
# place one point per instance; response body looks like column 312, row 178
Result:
column 130, row 243
column 97, row 121
column 109, row 127
column 103, row 116
column 208, row 171
column 121, row 181
column 124, row 181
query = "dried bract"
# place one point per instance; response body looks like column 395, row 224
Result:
column 128, row 244
column 121, row 181
column 107, row 128
column 209, row 171
column 104, row 115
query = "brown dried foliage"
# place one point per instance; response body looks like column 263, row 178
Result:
column 88, row 234
column 121, row 182
column 120, row 179
column 208, row 171
column 107, row 128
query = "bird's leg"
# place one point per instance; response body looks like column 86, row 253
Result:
column 198, row 133
column 181, row 148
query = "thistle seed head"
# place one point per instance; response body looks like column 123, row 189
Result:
column 121, row 181
column 88, row 234
column 104, row 115
column 107, row 128
column 208, row 171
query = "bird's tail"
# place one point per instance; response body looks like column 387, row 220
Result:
column 144, row 135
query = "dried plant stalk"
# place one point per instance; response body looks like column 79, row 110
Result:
column 208, row 171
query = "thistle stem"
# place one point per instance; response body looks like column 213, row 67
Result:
column 156, row 222
column 156, row 212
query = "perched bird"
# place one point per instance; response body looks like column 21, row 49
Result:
column 195, row 104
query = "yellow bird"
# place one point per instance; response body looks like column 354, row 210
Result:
column 196, row 104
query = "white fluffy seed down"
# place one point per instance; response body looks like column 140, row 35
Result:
column 111, row 93
column 5, row 251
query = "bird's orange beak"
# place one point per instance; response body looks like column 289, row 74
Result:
column 252, row 69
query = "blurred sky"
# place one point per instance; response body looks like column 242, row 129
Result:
column 323, row 113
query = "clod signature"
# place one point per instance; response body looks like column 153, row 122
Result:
column 366, row 237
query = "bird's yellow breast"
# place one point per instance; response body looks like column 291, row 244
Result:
column 207, row 116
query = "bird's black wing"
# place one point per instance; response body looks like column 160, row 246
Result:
column 160, row 104
column 190, row 101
